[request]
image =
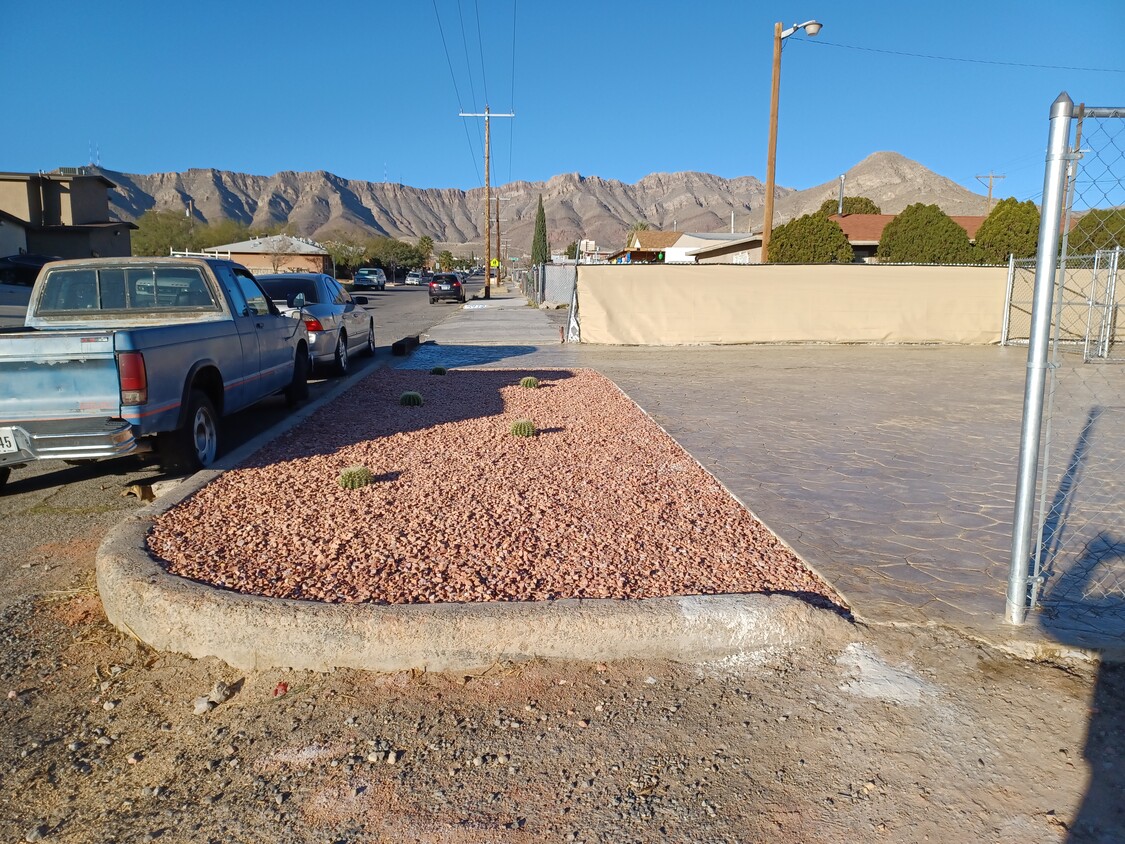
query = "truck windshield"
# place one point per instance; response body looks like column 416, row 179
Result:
column 121, row 288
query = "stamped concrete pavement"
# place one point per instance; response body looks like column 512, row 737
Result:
column 889, row 469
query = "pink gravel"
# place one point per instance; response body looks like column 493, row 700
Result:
column 600, row 504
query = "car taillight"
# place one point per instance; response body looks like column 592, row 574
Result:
column 433, row 284
column 133, row 378
column 313, row 324
column 456, row 284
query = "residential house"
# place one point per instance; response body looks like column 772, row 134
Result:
column 278, row 253
column 64, row 213
column 646, row 246
column 742, row 249
column 864, row 231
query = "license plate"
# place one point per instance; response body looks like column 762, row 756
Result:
column 445, row 287
column 8, row 441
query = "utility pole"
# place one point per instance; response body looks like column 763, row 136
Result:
column 487, row 201
column 990, row 177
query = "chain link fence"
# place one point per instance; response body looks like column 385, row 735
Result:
column 550, row 283
column 1068, row 548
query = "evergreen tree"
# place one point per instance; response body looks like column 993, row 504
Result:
column 811, row 239
column 540, row 253
column 924, row 234
column 852, row 205
column 1012, row 228
column 159, row 232
column 1098, row 229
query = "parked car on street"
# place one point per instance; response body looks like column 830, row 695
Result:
column 369, row 278
column 446, row 286
column 414, row 277
column 338, row 325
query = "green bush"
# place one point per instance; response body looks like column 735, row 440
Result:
column 852, row 205
column 1011, row 229
column 812, row 239
column 530, row 381
column 924, row 234
column 354, row 477
column 438, row 370
column 410, row 399
column 523, row 428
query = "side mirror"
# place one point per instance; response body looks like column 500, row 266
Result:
column 297, row 301
column 360, row 300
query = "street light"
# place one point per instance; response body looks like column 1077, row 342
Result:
column 812, row 28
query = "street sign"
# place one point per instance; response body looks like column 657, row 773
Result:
column 495, row 262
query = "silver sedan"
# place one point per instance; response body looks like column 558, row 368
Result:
column 337, row 324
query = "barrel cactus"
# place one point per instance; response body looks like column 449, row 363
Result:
column 354, row 477
column 523, row 428
column 410, row 399
column 438, row 370
column 530, row 381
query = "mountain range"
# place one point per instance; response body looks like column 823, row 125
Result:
column 321, row 205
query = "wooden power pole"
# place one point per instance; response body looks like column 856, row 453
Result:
column 990, row 177
column 487, row 201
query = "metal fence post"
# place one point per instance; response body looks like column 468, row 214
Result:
column 1046, row 264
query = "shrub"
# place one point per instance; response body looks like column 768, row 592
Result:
column 354, row 477
column 811, row 239
column 852, row 205
column 410, row 399
column 924, row 234
column 523, row 428
column 438, row 370
column 1011, row 229
column 530, row 381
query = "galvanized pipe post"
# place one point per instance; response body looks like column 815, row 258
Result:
column 1046, row 264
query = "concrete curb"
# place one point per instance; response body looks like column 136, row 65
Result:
column 249, row 632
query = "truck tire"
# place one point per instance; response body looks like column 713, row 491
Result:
column 5, row 472
column 341, row 360
column 298, row 389
column 195, row 445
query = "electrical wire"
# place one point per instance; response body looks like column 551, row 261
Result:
column 480, row 44
column 457, row 91
column 512, row 102
column 469, row 70
column 820, row 43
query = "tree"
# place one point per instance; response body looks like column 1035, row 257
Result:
column 391, row 254
column 540, row 253
column 1011, row 229
column 221, row 233
column 924, row 234
column 852, row 205
column 572, row 250
column 346, row 254
column 159, row 232
column 445, row 260
column 1098, row 229
column 811, row 239
column 425, row 248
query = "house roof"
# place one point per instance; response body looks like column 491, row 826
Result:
column 747, row 240
column 272, row 245
column 56, row 177
column 648, row 240
column 867, row 229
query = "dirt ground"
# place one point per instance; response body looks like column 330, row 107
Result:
column 907, row 735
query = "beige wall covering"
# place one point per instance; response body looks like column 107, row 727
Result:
column 657, row 305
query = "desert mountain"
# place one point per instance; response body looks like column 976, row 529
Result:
column 322, row 205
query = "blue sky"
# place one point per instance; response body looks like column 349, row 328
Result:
column 365, row 90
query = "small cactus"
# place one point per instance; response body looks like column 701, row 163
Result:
column 438, row 370
column 410, row 399
column 530, row 381
column 523, row 428
column 354, row 477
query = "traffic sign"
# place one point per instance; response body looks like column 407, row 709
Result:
column 495, row 262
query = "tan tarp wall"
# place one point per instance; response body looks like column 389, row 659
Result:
column 669, row 305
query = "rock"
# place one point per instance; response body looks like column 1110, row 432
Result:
column 36, row 833
column 220, row 693
column 202, row 705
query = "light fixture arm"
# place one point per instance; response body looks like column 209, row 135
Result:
column 813, row 27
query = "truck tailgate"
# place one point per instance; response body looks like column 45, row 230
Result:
column 58, row 375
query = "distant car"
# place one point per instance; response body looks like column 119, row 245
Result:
column 369, row 278
column 446, row 286
column 22, row 269
column 413, row 277
column 336, row 322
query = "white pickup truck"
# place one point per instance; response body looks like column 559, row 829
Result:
column 121, row 355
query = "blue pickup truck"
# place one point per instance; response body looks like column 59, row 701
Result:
column 126, row 355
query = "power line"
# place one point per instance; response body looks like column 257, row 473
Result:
column 820, row 43
column 512, row 102
column 480, row 44
column 456, row 90
column 468, row 67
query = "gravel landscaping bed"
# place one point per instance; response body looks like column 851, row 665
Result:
column 600, row 503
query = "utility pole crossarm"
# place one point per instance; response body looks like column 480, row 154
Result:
column 487, row 115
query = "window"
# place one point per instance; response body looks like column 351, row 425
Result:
column 125, row 288
column 256, row 300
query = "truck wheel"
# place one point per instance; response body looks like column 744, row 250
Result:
column 298, row 389
column 341, row 354
column 369, row 347
column 5, row 472
column 195, row 445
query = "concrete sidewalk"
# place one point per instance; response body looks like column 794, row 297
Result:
column 890, row 469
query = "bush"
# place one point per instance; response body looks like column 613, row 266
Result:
column 1012, row 228
column 523, row 428
column 410, row 399
column 438, row 370
column 852, row 205
column 1098, row 229
column 354, row 477
column 530, row 382
column 924, row 234
column 812, row 239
